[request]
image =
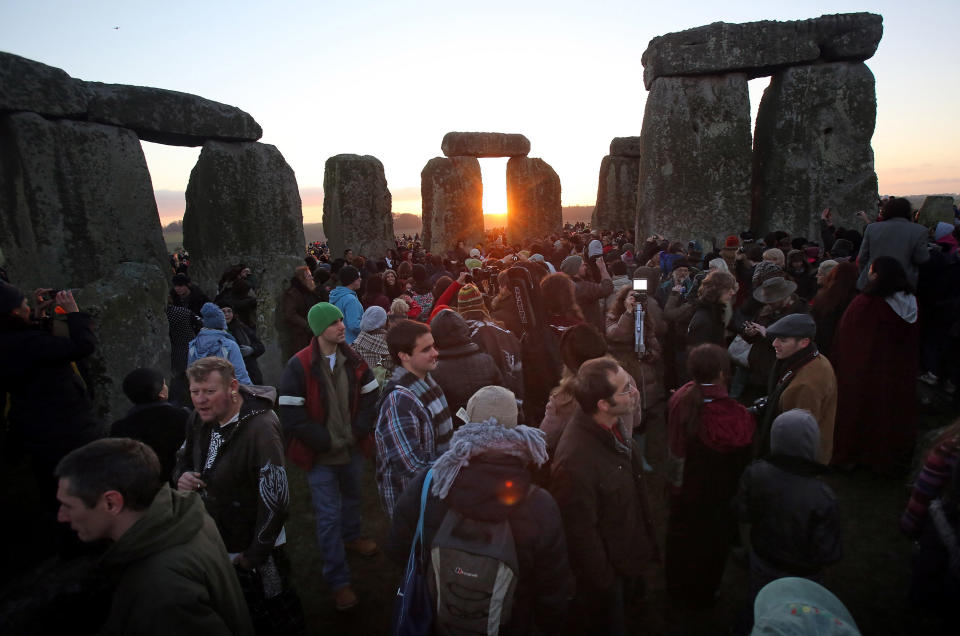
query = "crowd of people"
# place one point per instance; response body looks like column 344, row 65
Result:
column 504, row 393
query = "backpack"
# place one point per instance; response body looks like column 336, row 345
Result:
column 474, row 570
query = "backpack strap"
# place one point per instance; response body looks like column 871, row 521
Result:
column 423, row 506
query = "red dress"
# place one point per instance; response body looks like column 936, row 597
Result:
column 875, row 354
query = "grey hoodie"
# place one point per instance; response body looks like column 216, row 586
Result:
column 796, row 433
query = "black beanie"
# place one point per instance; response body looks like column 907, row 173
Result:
column 142, row 386
column 348, row 274
column 10, row 298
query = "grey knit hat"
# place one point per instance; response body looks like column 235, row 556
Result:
column 571, row 265
column 373, row 318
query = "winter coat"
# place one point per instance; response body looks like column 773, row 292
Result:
column 504, row 347
column 193, row 301
column 762, row 357
column 462, row 367
column 296, row 303
column 647, row 372
column 544, row 581
column 707, row 325
column 174, row 574
column 347, row 302
column 589, row 295
column 159, row 425
column 246, row 336
column 896, row 237
column 794, row 517
column 813, row 387
column 219, row 344
column 246, row 486
column 600, row 490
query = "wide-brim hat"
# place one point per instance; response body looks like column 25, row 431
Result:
column 773, row 290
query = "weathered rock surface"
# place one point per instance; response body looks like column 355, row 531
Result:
column 533, row 199
column 243, row 206
column 484, row 144
column 77, row 211
column 451, row 191
column 626, row 147
column 812, row 148
column 694, row 178
column 935, row 209
column 357, row 206
column 32, row 86
column 168, row 117
column 76, row 200
column 759, row 48
column 616, row 193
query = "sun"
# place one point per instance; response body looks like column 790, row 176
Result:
column 494, row 172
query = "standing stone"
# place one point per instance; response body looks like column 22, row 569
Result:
column 484, row 144
column 451, row 191
column 626, row 147
column 357, row 206
column 935, row 209
column 695, row 168
column 243, row 206
column 812, row 148
column 760, row 48
column 616, row 193
column 533, row 199
column 77, row 211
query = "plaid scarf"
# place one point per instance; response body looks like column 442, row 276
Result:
column 431, row 396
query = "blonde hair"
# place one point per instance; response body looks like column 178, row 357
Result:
column 399, row 307
column 775, row 255
column 202, row 368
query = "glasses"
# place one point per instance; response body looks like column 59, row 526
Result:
column 628, row 390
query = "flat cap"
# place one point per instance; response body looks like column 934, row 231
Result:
column 793, row 326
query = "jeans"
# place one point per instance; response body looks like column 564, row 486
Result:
column 335, row 491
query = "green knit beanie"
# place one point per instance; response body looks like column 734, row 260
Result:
column 321, row 316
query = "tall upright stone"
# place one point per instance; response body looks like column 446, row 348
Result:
column 357, row 206
column 533, row 199
column 616, row 193
column 935, row 209
column 77, row 211
column 451, row 191
column 694, row 178
column 812, row 148
column 243, row 206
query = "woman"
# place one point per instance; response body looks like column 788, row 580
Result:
column 246, row 336
column 802, row 274
column 709, row 440
column 374, row 296
column 709, row 320
column 398, row 311
column 371, row 344
column 422, row 290
column 839, row 290
column 392, row 286
column 462, row 368
column 560, row 307
column 876, row 359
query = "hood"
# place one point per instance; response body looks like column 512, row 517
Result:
column 339, row 293
column 208, row 341
column 489, row 487
column 450, row 330
column 904, row 304
column 252, row 393
column 795, row 433
column 172, row 519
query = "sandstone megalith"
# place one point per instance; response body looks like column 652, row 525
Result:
column 616, row 192
column 694, row 176
column 935, row 209
column 812, row 148
column 243, row 205
column 26, row 85
column 626, row 147
column 451, row 191
column 533, row 199
column 357, row 206
column 77, row 210
column 168, row 117
column 484, row 144
column 759, row 48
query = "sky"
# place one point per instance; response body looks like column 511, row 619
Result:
column 390, row 78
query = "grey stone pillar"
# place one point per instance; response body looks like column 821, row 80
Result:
column 812, row 148
column 243, row 206
column 617, row 190
column 357, row 206
column 451, row 191
column 533, row 199
column 695, row 168
column 77, row 211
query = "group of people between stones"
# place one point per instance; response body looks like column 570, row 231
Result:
column 424, row 362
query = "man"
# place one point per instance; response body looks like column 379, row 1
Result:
column 597, row 481
column 414, row 424
column 297, row 301
column 588, row 293
column 345, row 298
column 175, row 575
column 328, row 398
column 233, row 455
column 802, row 378
column 895, row 236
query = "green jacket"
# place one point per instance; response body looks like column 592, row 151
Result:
column 174, row 574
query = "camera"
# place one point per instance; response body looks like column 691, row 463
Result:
column 640, row 286
column 758, row 407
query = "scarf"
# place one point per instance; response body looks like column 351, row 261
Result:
column 479, row 438
column 431, row 396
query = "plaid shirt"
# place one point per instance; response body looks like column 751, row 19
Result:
column 408, row 435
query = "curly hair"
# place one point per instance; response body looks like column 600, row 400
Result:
column 560, row 296
column 714, row 284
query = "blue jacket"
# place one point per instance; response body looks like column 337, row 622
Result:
column 347, row 302
column 218, row 343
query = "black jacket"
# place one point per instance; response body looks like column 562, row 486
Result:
column 545, row 581
column 706, row 325
column 159, row 425
column 463, row 368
